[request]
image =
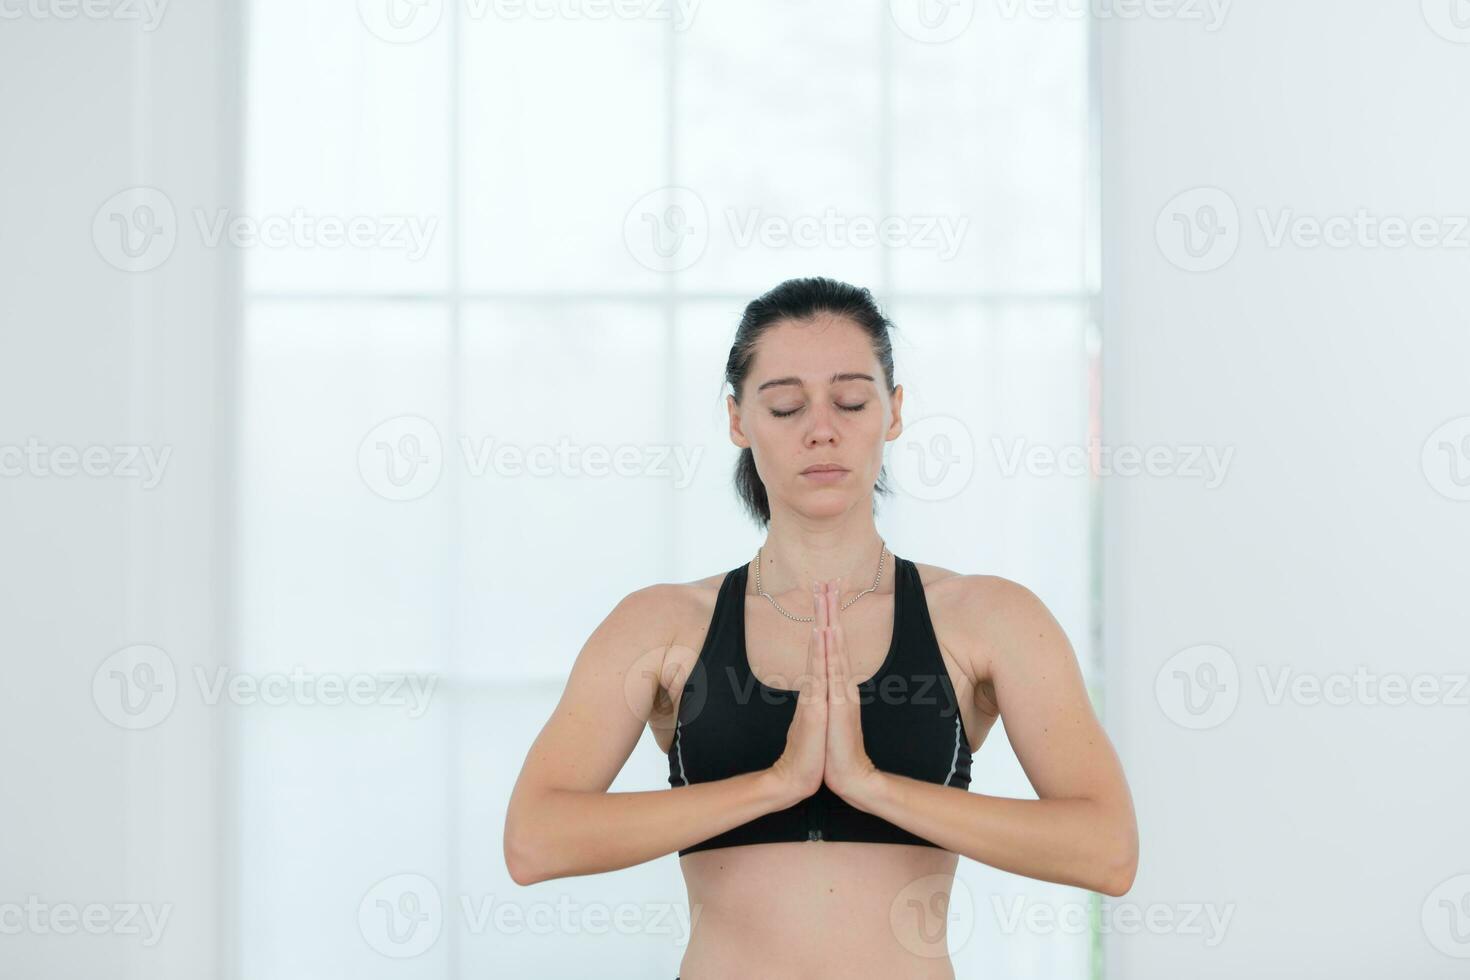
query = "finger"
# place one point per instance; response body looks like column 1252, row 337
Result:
column 821, row 672
column 839, row 635
column 836, row 671
column 814, row 682
column 815, row 669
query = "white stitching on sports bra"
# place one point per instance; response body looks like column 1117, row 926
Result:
column 953, row 762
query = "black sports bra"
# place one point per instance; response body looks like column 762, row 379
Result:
column 730, row 723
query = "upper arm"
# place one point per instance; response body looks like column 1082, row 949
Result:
column 1042, row 696
column 607, row 699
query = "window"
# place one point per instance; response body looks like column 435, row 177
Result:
column 557, row 222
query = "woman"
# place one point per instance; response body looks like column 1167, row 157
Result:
column 819, row 773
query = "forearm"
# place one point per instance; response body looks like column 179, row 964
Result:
column 1072, row 841
column 575, row 832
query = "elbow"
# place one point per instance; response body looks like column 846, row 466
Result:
column 1115, row 876
column 522, row 854
column 1117, row 881
column 522, row 867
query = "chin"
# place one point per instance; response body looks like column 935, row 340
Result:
column 824, row 503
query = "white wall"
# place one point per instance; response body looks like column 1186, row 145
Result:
column 1327, row 827
column 95, row 356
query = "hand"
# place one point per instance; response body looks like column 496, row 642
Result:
column 848, row 768
column 800, row 767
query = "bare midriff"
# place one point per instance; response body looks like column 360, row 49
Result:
column 811, row 909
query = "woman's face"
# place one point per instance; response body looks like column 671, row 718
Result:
column 815, row 395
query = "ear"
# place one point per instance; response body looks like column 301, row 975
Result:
column 736, row 435
column 895, row 408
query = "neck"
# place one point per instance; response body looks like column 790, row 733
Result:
column 795, row 557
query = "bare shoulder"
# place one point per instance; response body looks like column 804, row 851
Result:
column 683, row 612
column 661, row 612
column 979, row 617
column 691, row 606
column 675, row 615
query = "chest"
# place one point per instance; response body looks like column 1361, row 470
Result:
column 776, row 651
column 780, row 651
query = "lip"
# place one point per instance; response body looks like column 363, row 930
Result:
column 827, row 473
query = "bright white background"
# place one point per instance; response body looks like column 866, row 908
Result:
column 1334, row 541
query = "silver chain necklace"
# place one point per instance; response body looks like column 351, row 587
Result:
column 807, row 619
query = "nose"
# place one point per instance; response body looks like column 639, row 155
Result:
column 823, row 428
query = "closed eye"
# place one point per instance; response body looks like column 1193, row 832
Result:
column 845, row 408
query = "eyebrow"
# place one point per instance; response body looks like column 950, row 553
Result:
column 793, row 380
